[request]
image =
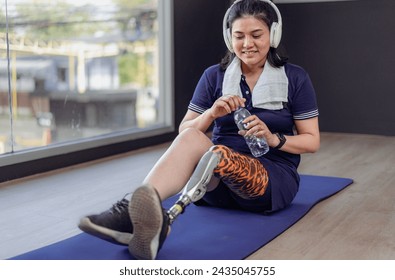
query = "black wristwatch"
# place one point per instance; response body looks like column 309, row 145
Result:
column 282, row 139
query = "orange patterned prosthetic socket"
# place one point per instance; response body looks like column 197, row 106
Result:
column 244, row 175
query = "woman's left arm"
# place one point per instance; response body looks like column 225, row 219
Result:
column 307, row 139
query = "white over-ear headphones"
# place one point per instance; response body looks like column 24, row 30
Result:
column 275, row 29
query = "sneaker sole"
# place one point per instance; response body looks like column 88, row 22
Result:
column 145, row 211
column 116, row 237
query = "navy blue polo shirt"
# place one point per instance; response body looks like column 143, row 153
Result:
column 302, row 104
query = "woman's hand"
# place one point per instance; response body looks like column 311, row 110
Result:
column 226, row 105
column 221, row 107
column 255, row 126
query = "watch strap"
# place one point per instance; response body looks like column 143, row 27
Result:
column 282, row 139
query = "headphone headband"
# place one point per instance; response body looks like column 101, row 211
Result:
column 275, row 29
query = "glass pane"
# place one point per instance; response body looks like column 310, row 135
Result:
column 5, row 121
column 79, row 69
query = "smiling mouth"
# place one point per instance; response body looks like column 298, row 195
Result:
column 249, row 52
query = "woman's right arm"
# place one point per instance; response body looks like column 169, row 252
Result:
column 196, row 120
column 221, row 107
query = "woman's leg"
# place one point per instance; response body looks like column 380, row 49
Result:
column 244, row 175
column 244, row 182
column 173, row 170
column 151, row 223
column 168, row 177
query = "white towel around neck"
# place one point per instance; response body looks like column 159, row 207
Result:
column 270, row 91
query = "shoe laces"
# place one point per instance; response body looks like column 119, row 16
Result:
column 120, row 206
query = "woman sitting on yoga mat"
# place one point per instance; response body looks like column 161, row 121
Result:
column 221, row 171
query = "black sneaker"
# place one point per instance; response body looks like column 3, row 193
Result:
column 150, row 222
column 113, row 225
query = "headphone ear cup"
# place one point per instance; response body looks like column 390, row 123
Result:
column 228, row 39
column 275, row 34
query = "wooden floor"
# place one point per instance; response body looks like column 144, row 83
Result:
column 357, row 223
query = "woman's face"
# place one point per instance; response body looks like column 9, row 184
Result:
column 251, row 41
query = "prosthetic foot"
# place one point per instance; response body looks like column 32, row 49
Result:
column 197, row 184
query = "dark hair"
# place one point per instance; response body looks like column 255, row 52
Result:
column 261, row 11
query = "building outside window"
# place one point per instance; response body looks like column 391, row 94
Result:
column 92, row 72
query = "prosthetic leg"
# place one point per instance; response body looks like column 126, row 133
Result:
column 197, row 184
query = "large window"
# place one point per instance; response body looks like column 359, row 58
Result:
column 80, row 74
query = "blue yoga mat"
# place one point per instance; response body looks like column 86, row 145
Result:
column 205, row 232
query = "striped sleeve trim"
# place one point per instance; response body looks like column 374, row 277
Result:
column 196, row 108
column 306, row 115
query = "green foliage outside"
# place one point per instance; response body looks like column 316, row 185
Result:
column 135, row 69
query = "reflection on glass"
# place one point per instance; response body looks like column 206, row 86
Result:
column 78, row 69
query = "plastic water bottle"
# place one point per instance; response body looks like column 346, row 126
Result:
column 257, row 145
